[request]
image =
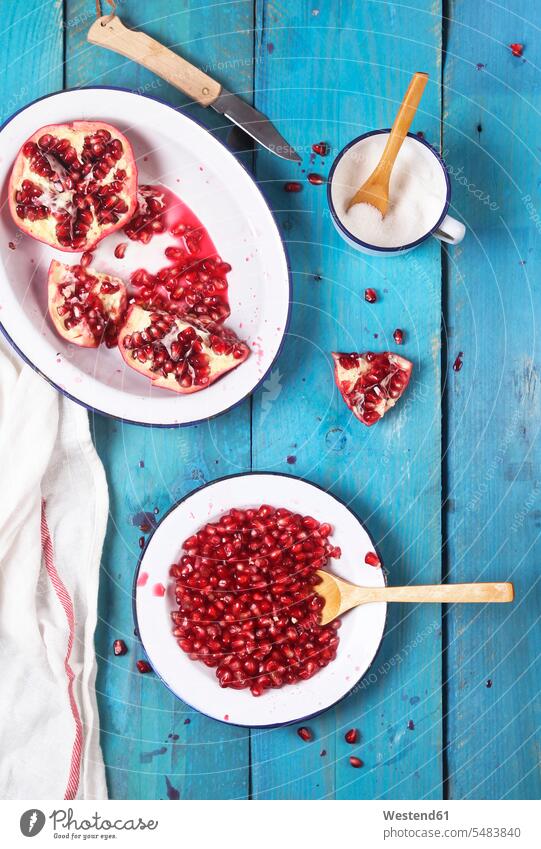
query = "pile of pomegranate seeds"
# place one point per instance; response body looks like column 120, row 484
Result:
column 247, row 605
column 371, row 383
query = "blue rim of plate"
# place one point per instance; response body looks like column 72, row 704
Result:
column 376, row 248
column 136, row 621
column 90, row 408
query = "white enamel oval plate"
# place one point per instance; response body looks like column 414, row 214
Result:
column 193, row 682
column 175, row 151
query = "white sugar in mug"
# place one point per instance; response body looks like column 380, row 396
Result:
column 445, row 228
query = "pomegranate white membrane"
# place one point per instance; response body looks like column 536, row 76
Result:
column 417, row 193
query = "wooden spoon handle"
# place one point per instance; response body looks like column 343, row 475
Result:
column 442, row 593
column 402, row 122
column 111, row 33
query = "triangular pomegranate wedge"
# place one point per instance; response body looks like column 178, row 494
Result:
column 178, row 352
column 85, row 305
column 371, row 383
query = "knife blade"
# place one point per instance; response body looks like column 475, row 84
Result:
column 109, row 31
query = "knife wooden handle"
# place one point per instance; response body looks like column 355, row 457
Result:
column 110, row 32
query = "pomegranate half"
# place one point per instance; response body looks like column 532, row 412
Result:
column 178, row 352
column 86, row 306
column 73, row 184
column 370, row 383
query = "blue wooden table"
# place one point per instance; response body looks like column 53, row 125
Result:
column 449, row 484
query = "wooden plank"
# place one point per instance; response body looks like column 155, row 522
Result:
column 31, row 60
column 334, row 71
column 494, row 458
column 208, row 760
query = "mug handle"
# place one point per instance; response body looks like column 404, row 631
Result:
column 450, row 231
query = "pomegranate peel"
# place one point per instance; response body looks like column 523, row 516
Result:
column 86, row 306
column 370, row 383
column 177, row 352
column 73, row 184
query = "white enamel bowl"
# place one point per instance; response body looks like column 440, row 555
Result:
column 174, row 150
column 196, row 684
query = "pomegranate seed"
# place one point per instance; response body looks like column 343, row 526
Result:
column 355, row 762
column 489, row 683
column 316, row 179
column 370, row 296
column 352, row 735
column 457, row 365
column 321, row 148
column 411, row 725
column 120, row 647
column 86, row 259
column 120, row 250
column 398, row 336
column 372, row 559
column 141, row 542
column 516, row 49
column 11, row 246
column 292, row 186
column 143, row 666
column 305, row 733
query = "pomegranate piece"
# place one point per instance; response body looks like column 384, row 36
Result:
column 86, row 306
column 398, row 336
column 247, row 603
column 73, row 184
column 371, row 383
column 516, row 49
column 351, row 736
column 143, row 666
column 305, row 734
column 370, row 296
column 178, row 352
column 120, row 648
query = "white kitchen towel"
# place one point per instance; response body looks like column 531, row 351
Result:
column 53, row 513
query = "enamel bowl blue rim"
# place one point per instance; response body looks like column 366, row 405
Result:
column 285, row 330
column 138, row 567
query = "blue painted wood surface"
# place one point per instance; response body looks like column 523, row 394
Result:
column 332, row 71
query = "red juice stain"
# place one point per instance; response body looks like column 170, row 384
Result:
column 226, row 716
column 457, row 365
column 172, row 792
column 270, row 47
column 141, row 464
column 144, row 520
column 187, row 721
column 480, row 66
column 411, row 725
column 158, row 590
column 142, row 579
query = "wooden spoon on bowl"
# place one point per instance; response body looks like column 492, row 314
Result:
column 375, row 190
column 341, row 596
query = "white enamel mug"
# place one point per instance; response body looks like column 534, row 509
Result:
column 445, row 228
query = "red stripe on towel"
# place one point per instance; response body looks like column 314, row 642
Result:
column 67, row 604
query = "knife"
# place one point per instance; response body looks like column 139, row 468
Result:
column 109, row 31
